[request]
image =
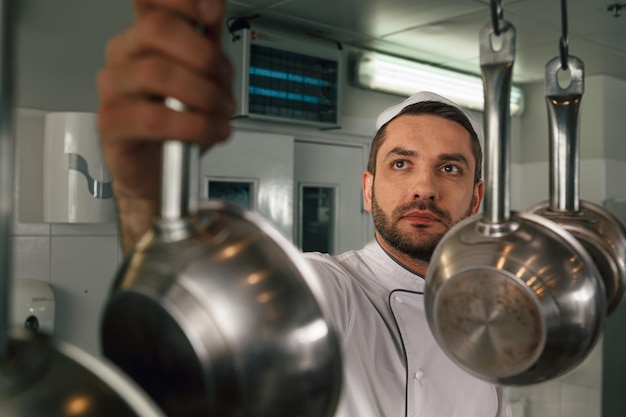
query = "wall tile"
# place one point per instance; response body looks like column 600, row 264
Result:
column 31, row 257
column 541, row 400
column 615, row 187
column 532, row 184
column 82, row 272
column 26, row 228
column 589, row 373
column 593, row 180
column 580, row 402
column 84, row 229
column 517, row 185
column 28, row 197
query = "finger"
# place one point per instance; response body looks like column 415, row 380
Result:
column 142, row 121
column 154, row 76
column 169, row 36
column 208, row 12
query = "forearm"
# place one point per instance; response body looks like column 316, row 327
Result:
column 160, row 55
column 135, row 216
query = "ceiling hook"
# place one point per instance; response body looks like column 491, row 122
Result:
column 616, row 8
column 564, row 42
column 496, row 15
column 563, row 48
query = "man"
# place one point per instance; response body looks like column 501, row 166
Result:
column 423, row 176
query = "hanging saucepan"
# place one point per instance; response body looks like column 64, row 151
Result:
column 39, row 376
column 215, row 313
column 511, row 297
column 42, row 377
column 602, row 235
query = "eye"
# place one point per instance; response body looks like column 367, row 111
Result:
column 452, row 169
column 400, row 164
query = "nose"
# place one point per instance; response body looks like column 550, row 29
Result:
column 424, row 186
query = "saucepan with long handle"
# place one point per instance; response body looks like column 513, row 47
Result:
column 601, row 233
column 511, row 297
column 215, row 313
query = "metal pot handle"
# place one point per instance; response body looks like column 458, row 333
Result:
column 179, row 177
column 497, row 72
column 563, row 109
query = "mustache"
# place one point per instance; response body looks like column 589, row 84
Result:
column 428, row 205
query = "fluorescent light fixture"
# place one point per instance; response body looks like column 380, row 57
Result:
column 404, row 77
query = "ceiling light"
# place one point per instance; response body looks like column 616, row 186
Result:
column 404, row 77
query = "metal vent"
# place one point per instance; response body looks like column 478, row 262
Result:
column 286, row 79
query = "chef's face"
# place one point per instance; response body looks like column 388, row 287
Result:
column 424, row 183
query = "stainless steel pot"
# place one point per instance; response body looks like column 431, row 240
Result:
column 39, row 376
column 511, row 297
column 216, row 314
column 601, row 233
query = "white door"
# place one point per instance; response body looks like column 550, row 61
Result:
column 329, row 202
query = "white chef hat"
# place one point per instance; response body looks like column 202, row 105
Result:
column 393, row 111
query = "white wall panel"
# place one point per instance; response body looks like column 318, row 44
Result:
column 544, row 400
column 615, row 174
column 530, row 184
column 31, row 257
column 95, row 229
column 580, row 402
column 82, row 269
column 593, row 182
column 28, row 209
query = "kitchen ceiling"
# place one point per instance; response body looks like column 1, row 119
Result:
column 442, row 32
column 445, row 32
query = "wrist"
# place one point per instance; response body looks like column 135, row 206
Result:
column 135, row 216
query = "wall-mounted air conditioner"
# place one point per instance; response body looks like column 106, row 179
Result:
column 284, row 78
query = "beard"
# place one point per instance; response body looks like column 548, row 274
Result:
column 420, row 243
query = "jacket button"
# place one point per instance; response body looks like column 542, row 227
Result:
column 419, row 374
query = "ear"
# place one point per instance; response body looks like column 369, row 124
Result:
column 367, row 182
column 478, row 196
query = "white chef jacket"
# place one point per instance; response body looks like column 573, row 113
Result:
column 392, row 365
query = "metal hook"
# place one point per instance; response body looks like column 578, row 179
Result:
column 564, row 50
column 564, row 42
column 616, row 8
column 496, row 15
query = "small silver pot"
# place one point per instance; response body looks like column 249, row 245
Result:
column 601, row 233
column 511, row 297
column 215, row 313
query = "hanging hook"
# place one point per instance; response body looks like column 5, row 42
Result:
column 496, row 15
column 616, row 8
column 564, row 42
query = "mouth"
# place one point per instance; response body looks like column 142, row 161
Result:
column 421, row 217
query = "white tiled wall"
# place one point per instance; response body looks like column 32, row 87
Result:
column 80, row 268
column 77, row 260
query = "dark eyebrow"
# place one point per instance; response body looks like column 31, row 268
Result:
column 455, row 157
column 400, row 151
column 444, row 157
